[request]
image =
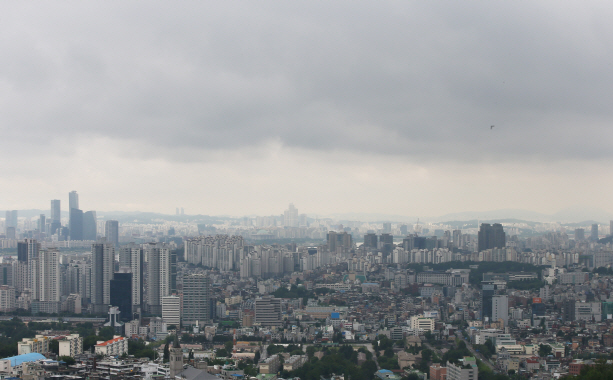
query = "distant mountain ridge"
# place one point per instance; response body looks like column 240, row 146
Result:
column 573, row 216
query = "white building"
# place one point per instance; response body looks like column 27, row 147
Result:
column 171, row 310
column 420, row 323
column 500, row 308
column 114, row 347
column 71, row 345
column 38, row 344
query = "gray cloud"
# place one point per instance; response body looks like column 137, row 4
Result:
column 419, row 79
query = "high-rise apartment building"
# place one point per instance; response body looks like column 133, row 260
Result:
column 103, row 266
column 196, row 305
column 158, row 276
column 49, row 282
column 111, row 232
column 491, row 236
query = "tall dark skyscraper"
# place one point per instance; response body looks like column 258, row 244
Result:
column 491, row 236
column 111, row 232
column 121, row 294
column 594, row 234
column 76, row 224
column 488, row 290
column 370, row 240
column 89, row 226
column 73, row 204
column 56, row 217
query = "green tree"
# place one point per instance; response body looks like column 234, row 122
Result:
column 69, row 360
column 545, row 350
column 166, row 352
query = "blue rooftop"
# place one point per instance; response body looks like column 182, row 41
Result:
column 384, row 371
column 17, row 360
column 335, row 315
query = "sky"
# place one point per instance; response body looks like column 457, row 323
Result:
column 240, row 107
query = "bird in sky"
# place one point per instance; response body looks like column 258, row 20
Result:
column 492, row 127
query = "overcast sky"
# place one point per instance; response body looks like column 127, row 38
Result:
column 337, row 106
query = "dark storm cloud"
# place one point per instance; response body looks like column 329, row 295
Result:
column 420, row 79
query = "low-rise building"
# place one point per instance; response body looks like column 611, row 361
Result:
column 38, row 344
column 71, row 345
column 114, row 347
column 270, row 365
column 465, row 370
column 295, row 362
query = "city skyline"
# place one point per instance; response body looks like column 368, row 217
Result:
column 371, row 108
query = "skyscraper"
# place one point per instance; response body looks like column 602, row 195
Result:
column 158, row 276
column 75, row 218
column 56, row 217
column 290, row 216
column 594, row 234
column 491, row 236
column 89, row 226
column 121, row 293
column 103, row 266
column 73, row 200
column 76, row 224
column 371, row 240
column 42, row 224
column 196, row 305
column 111, row 232
column 10, row 221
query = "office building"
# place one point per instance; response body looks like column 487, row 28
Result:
column 594, row 234
column 103, row 266
column 488, row 291
column 76, row 224
column 42, row 224
column 387, row 228
column 500, row 309
column 579, row 234
column 55, row 217
column 158, row 276
column 491, row 236
column 10, row 221
column 121, row 293
column 171, row 310
column 111, row 232
column 90, row 226
column 370, row 240
column 196, row 304
column 73, row 200
column 268, row 311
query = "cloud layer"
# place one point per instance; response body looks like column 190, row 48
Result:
column 195, row 84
